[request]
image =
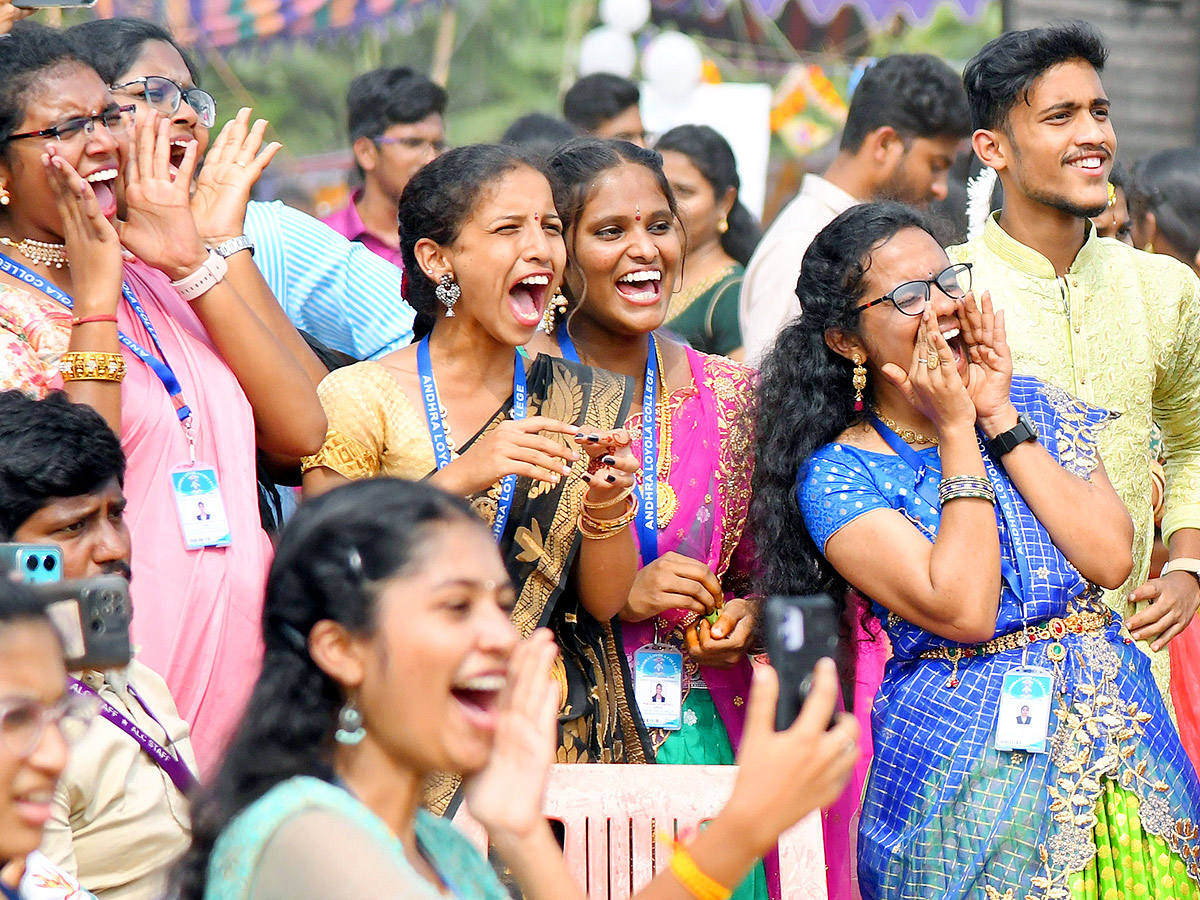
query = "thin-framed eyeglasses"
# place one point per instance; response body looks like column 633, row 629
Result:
column 912, row 296
column 23, row 720
column 165, row 95
column 412, row 143
column 112, row 118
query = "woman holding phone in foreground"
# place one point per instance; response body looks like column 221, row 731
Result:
column 385, row 589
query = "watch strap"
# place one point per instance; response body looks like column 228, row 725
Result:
column 206, row 276
column 1182, row 564
column 226, row 249
column 1007, row 441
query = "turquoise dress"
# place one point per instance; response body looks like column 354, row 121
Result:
column 236, row 856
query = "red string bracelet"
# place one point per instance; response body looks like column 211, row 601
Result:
column 83, row 320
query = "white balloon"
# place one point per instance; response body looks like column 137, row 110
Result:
column 629, row 16
column 673, row 64
column 607, row 49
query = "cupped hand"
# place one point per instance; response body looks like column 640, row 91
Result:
column 92, row 246
column 159, row 228
column 505, row 797
column 723, row 644
column 611, row 468
column 785, row 775
column 233, row 165
column 989, row 375
column 673, row 581
column 1174, row 599
column 938, row 393
column 514, row 447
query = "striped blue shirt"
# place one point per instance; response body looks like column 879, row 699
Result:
column 337, row 290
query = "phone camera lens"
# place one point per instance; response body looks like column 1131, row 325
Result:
column 31, row 563
column 49, row 563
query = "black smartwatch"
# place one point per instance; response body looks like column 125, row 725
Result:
column 1008, row 441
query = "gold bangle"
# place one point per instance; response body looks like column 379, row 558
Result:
column 611, row 524
column 600, row 535
column 607, row 503
column 699, row 885
column 88, row 366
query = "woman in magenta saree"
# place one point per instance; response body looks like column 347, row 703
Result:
column 693, row 437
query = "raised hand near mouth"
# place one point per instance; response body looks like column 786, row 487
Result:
column 989, row 379
column 233, row 165
column 158, row 227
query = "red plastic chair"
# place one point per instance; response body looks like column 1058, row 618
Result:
column 612, row 813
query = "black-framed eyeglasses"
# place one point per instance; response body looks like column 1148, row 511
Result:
column 111, row 118
column 165, row 95
column 23, row 720
column 412, row 143
column 911, row 296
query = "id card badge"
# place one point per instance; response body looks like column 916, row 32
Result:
column 1023, row 720
column 658, row 686
column 201, row 510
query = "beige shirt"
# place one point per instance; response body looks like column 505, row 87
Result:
column 768, row 299
column 119, row 822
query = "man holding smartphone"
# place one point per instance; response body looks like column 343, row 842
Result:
column 61, row 473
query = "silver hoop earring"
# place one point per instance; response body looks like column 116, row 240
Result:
column 447, row 293
column 350, row 725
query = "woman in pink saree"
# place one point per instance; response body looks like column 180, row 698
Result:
column 625, row 252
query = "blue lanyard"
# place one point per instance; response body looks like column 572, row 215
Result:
column 158, row 365
column 566, row 346
column 930, row 495
column 437, row 428
column 647, row 521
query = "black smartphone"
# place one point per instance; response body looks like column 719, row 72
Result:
column 93, row 616
column 799, row 631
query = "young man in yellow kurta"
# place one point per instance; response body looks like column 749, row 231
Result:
column 1117, row 327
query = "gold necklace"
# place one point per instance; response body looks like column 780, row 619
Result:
column 907, row 434
column 39, row 251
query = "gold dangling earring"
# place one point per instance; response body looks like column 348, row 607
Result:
column 555, row 308
column 860, row 381
column 723, row 225
column 5, row 198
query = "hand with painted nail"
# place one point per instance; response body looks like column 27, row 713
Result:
column 611, row 466
column 673, row 581
column 514, row 447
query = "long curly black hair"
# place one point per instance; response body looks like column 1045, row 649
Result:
column 331, row 563
column 805, row 399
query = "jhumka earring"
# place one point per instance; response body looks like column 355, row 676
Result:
column 350, row 729
column 723, row 225
column 860, row 382
column 447, row 293
column 555, row 308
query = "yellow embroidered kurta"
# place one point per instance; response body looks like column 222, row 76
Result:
column 1120, row 330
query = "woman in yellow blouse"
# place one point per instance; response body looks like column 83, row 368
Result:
column 535, row 447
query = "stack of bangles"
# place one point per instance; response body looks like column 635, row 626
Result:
column 699, row 885
column 957, row 487
column 602, row 529
column 89, row 366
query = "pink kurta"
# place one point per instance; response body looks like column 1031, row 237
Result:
column 197, row 613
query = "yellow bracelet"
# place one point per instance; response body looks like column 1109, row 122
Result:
column 608, row 526
column 88, row 366
column 699, row 885
column 588, row 504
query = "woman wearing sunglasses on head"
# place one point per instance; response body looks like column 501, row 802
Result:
column 162, row 345
column 337, row 290
column 39, row 719
column 1021, row 746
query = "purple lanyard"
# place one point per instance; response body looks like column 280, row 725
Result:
column 169, row 762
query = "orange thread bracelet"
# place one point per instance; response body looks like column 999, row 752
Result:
column 699, row 885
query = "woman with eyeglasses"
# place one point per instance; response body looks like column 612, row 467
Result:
column 337, row 290
column 39, row 719
column 161, row 345
column 898, row 455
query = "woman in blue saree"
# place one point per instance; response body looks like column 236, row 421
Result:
column 897, row 454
